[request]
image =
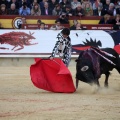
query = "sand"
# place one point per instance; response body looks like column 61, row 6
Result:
column 21, row 100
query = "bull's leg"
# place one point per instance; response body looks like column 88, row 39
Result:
column 77, row 81
column 4, row 48
column 106, row 79
column 18, row 49
column 14, row 47
column 21, row 47
column 97, row 83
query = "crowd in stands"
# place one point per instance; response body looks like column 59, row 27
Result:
column 64, row 9
column 56, row 7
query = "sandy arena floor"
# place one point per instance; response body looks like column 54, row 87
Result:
column 20, row 100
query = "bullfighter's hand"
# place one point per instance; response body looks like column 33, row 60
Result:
column 51, row 58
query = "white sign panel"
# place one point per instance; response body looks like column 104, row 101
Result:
column 43, row 41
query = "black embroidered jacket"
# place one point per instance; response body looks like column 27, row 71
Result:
column 63, row 48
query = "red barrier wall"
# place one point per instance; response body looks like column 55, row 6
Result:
column 10, row 22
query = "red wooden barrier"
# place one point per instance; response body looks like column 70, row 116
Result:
column 37, row 26
column 88, row 27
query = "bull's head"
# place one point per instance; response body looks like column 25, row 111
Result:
column 85, row 71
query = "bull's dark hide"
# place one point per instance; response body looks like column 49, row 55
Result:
column 94, row 62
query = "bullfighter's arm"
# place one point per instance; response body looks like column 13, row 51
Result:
column 56, row 48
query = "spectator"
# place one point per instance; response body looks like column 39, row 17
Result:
column 42, row 26
column 42, row 4
column 36, row 11
column 116, row 22
column 103, row 2
column 57, row 10
column 24, row 10
column 105, row 19
column 88, row 10
column 3, row 10
column 112, row 10
column 4, row 2
column 57, row 26
column 68, row 10
column 24, row 1
column 8, row 1
column 92, row 1
column 118, row 7
column 111, row 1
column 64, row 3
column 13, row 10
column 46, row 10
column 23, row 21
column 74, row 4
column 39, row 21
column 99, row 11
column 117, row 4
column 34, row 3
column 15, row 2
column 79, row 11
column 106, row 6
column 79, row 26
column 63, row 19
column 97, row 4
column 1, row 26
column 86, row 2
column 73, row 27
column 52, row 4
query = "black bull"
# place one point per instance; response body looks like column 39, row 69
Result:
column 94, row 62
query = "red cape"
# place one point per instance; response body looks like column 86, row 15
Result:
column 52, row 75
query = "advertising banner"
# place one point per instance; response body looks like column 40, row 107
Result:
column 41, row 42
